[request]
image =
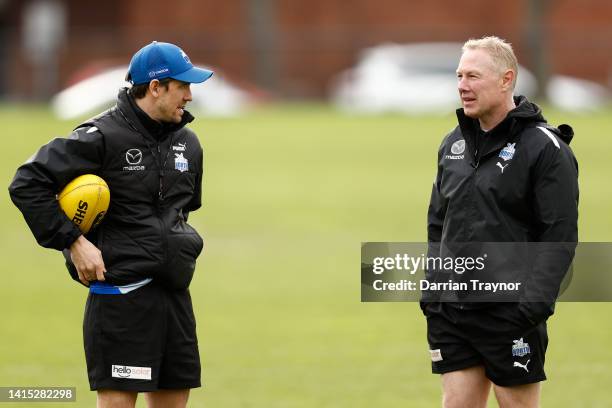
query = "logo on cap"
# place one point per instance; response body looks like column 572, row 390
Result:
column 185, row 57
column 158, row 72
column 164, row 60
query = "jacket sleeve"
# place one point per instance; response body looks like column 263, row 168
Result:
column 555, row 212
column 435, row 220
column 36, row 183
column 437, row 206
column 196, row 200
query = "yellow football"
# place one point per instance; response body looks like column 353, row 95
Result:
column 85, row 200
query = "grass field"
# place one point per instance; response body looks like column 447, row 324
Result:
column 289, row 194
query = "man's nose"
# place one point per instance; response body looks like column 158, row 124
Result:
column 188, row 96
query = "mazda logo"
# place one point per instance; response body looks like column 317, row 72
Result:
column 458, row 147
column 133, row 156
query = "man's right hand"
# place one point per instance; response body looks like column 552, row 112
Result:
column 88, row 260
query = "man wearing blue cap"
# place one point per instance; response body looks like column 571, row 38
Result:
column 139, row 327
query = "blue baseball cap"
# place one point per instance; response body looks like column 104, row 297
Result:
column 160, row 60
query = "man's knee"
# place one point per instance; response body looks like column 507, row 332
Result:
column 465, row 388
column 465, row 398
column 116, row 399
column 520, row 396
column 167, row 398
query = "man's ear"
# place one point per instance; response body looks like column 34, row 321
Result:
column 154, row 87
column 507, row 79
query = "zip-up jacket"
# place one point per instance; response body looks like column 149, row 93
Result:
column 154, row 181
column 516, row 185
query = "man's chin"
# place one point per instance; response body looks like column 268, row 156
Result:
column 178, row 117
column 470, row 112
column 172, row 120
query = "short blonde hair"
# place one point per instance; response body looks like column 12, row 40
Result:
column 500, row 50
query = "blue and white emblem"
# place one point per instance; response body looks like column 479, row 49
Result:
column 507, row 152
column 185, row 57
column 519, row 348
column 180, row 162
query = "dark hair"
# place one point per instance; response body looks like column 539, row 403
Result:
column 139, row 91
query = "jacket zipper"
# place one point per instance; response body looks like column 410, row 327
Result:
column 160, row 194
column 160, row 200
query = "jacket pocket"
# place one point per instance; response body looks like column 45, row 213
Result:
column 129, row 256
column 72, row 270
column 536, row 312
column 184, row 246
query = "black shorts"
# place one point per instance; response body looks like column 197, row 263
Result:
column 498, row 337
column 144, row 340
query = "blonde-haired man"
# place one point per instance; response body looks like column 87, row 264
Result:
column 504, row 176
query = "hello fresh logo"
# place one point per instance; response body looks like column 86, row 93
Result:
column 135, row 373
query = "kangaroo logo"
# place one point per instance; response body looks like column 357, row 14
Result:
column 517, row 364
column 507, row 152
column 520, row 348
column 501, row 167
column 180, row 162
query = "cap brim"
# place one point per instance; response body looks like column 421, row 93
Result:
column 193, row 75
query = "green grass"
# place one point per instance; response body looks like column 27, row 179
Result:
column 289, row 193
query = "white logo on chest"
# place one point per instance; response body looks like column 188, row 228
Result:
column 457, row 150
column 501, row 167
column 180, row 147
column 458, row 147
column 133, row 157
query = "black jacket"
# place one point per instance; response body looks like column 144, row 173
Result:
column 154, row 175
column 518, row 183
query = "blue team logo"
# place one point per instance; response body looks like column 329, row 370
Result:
column 180, row 162
column 519, row 348
column 507, row 152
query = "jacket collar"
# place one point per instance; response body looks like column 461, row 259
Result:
column 515, row 121
column 143, row 122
